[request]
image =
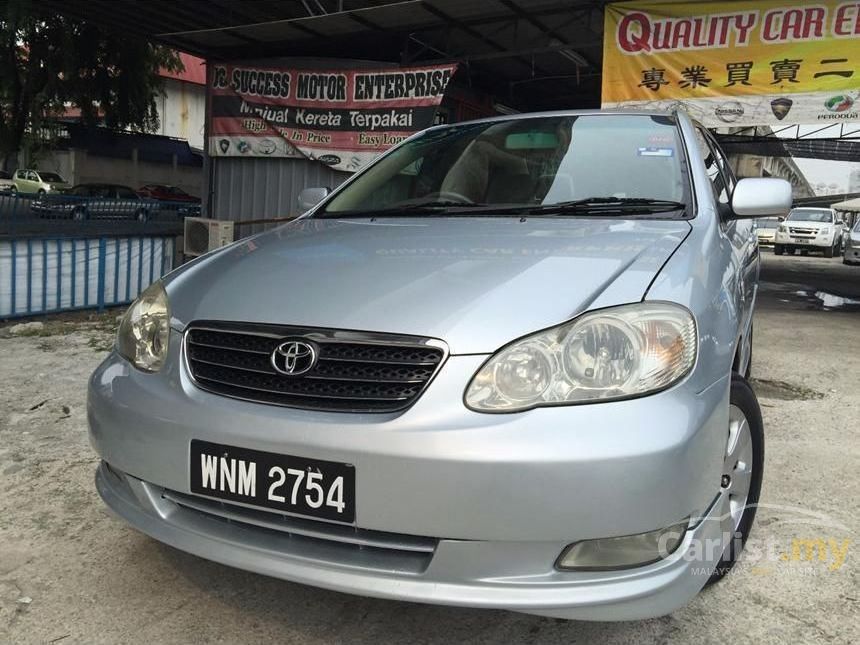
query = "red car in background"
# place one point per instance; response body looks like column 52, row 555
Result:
column 173, row 197
column 163, row 192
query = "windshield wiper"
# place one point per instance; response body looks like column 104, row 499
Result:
column 630, row 205
column 417, row 208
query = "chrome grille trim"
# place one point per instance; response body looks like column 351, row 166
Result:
column 356, row 371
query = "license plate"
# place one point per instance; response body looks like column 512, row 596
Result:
column 295, row 485
column 800, row 239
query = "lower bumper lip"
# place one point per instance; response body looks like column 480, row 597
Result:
column 461, row 573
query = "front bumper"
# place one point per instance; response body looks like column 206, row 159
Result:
column 501, row 495
column 469, row 573
column 800, row 241
column 852, row 254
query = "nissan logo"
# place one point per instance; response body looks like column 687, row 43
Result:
column 294, row 357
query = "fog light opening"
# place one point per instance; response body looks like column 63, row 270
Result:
column 626, row 552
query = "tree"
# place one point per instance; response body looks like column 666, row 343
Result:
column 49, row 63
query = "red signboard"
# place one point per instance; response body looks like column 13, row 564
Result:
column 340, row 117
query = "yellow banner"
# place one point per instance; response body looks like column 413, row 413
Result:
column 657, row 51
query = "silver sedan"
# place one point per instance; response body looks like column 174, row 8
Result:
column 503, row 366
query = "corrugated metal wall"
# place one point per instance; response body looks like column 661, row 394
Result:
column 259, row 188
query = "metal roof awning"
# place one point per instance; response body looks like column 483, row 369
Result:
column 533, row 54
column 851, row 205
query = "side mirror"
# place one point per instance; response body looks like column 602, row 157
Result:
column 310, row 197
column 761, row 197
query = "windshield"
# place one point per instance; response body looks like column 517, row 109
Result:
column 50, row 176
column 810, row 215
column 767, row 223
column 533, row 163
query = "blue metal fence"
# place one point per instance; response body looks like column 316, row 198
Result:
column 46, row 275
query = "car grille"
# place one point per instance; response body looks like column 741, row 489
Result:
column 802, row 231
column 312, row 539
column 354, row 371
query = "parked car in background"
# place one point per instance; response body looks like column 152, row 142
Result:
column 38, row 182
column 766, row 230
column 95, row 201
column 851, row 251
column 173, row 199
column 809, row 229
column 503, row 366
column 6, row 183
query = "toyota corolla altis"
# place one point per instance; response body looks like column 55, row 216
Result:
column 503, row 366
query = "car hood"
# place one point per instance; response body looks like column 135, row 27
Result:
column 476, row 283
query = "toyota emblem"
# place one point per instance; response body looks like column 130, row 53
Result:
column 294, row 357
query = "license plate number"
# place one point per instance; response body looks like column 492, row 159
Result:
column 294, row 485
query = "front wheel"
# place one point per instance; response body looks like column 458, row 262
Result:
column 778, row 249
column 830, row 251
column 743, row 464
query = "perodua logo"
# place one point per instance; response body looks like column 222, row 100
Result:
column 294, row 357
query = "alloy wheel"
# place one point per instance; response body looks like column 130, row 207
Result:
column 738, row 464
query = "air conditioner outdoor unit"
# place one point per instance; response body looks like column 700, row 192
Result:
column 203, row 235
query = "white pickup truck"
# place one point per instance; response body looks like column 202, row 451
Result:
column 810, row 229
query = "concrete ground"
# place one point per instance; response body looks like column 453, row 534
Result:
column 70, row 572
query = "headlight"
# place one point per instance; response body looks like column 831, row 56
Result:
column 145, row 330
column 824, row 231
column 603, row 355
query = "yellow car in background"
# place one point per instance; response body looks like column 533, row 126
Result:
column 765, row 229
column 38, row 182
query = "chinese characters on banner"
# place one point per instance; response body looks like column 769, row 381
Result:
column 340, row 117
column 735, row 63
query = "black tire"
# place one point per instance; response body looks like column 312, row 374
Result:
column 830, row 251
column 778, row 249
column 743, row 397
column 40, row 192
